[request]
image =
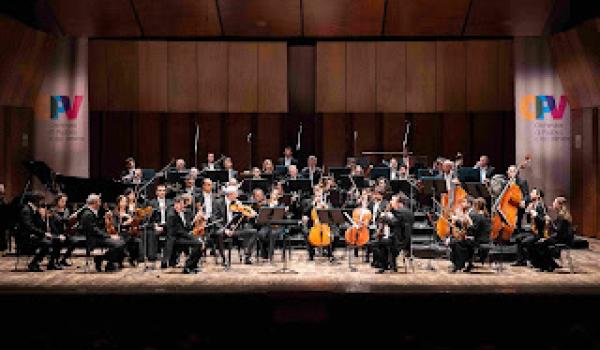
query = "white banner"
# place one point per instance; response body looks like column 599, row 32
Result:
column 61, row 137
column 543, row 118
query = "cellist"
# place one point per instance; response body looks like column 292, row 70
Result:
column 535, row 211
column 316, row 202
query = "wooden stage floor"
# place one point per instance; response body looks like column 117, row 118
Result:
column 318, row 276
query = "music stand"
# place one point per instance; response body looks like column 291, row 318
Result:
column 266, row 216
column 332, row 216
column 400, row 186
column 379, row 172
column 217, row 176
column 281, row 171
column 249, row 185
column 148, row 174
column 302, row 185
column 477, row 189
column 469, row 175
column 337, row 171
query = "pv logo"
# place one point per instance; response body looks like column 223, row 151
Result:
column 62, row 105
column 543, row 105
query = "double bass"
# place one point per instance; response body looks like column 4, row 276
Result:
column 449, row 203
column 319, row 234
column 505, row 209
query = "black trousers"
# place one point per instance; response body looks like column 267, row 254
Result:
column 133, row 246
column 462, row 252
column 73, row 242
column 195, row 246
column 542, row 256
column 43, row 246
column 385, row 252
column 115, row 249
column 525, row 242
column 267, row 235
column 248, row 234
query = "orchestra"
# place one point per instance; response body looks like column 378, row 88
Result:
column 217, row 207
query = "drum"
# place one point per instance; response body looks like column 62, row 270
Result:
column 497, row 184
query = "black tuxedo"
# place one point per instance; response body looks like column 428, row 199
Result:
column 156, row 219
column 281, row 161
column 316, row 174
column 96, row 237
column 244, row 230
column 204, row 166
column 33, row 236
column 178, row 232
column 386, row 250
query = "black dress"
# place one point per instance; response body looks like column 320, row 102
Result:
column 543, row 251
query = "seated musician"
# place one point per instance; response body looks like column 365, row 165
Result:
column 394, row 169
column 312, row 172
column 228, row 165
column 160, row 206
column 536, row 211
column 129, row 172
column 89, row 224
column 267, row 167
column 190, row 186
column 560, row 232
column 317, row 202
column 180, row 166
column 288, row 158
column 59, row 222
column 397, row 236
column 207, row 198
column 461, row 248
column 210, row 163
column 376, row 206
column 232, row 225
column 264, row 233
column 293, row 173
column 485, row 169
column 123, row 219
column 194, row 173
column 36, row 233
column 402, row 172
column 179, row 227
column 256, row 174
column 479, row 232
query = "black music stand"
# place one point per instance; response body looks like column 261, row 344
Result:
column 249, row 185
column 217, row 176
column 299, row 185
column 266, row 216
column 433, row 186
column 477, row 189
column 281, row 171
column 331, row 216
column 469, row 175
column 400, row 186
column 337, row 171
column 379, row 172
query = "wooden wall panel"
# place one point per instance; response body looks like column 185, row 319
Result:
column 482, row 75
column 212, row 76
column 190, row 18
column 301, row 78
column 425, row 17
column 590, row 166
column 426, row 135
column 10, row 40
column 368, row 128
column 182, row 78
column 331, row 77
column 577, row 164
column 261, row 18
column 335, row 138
column 178, row 141
column 97, row 75
column 148, row 141
column 41, row 63
column 391, row 77
column 122, row 74
column 212, row 135
column 268, row 138
column 361, row 75
column 243, row 77
column 456, row 137
column 342, row 17
column 451, row 76
column 506, row 76
column 393, row 129
column 152, row 76
column 238, row 127
column 482, row 143
column 19, row 147
column 420, row 77
column 116, row 143
column 272, row 77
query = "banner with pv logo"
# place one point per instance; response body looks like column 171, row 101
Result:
column 61, row 111
column 543, row 118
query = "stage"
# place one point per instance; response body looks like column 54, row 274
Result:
column 319, row 276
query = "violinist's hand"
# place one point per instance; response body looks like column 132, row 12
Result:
column 228, row 232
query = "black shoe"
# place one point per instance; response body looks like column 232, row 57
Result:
column 65, row 263
column 188, row 271
column 469, row 267
column 53, row 266
column 248, row 261
column 224, row 263
column 163, row 265
column 394, row 268
column 520, row 263
column 98, row 263
column 382, row 270
column 454, row 269
column 132, row 262
column 34, row 268
column 110, row 267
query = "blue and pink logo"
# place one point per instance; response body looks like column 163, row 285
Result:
column 61, row 105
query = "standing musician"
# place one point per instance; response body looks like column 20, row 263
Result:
column 513, row 173
column 233, row 224
column 561, row 232
column 160, row 206
column 129, row 172
column 394, row 234
column 89, row 224
column 288, row 158
column 179, row 227
column 311, row 171
column 536, row 212
column 485, row 169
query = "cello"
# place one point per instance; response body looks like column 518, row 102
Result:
column 505, row 209
column 358, row 233
column 319, row 234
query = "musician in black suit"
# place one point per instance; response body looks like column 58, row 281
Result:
column 179, row 227
column 89, row 224
column 376, row 206
column 228, row 165
column 36, row 232
column 536, row 211
column 474, row 221
column 397, row 236
column 293, row 173
column 59, row 222
column 231, row 226
column 561, row 232
column 486, row 171
column 513, row 173
column 160, row 205
column 288, row 158
column 311, row 171
column 210, row 163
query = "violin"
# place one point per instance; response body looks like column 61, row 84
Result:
column 200, row 227
column 109, row 224
column 140, row 215
column 243, row 209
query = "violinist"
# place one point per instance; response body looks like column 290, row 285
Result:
column 560, row 232
column 266, row 233
column 99, row 238
column 59, row 222
column 394, row 234
column 178, row 229
column 461, row 248
column 122, row 220
column 234, row 223
column 536, row 212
